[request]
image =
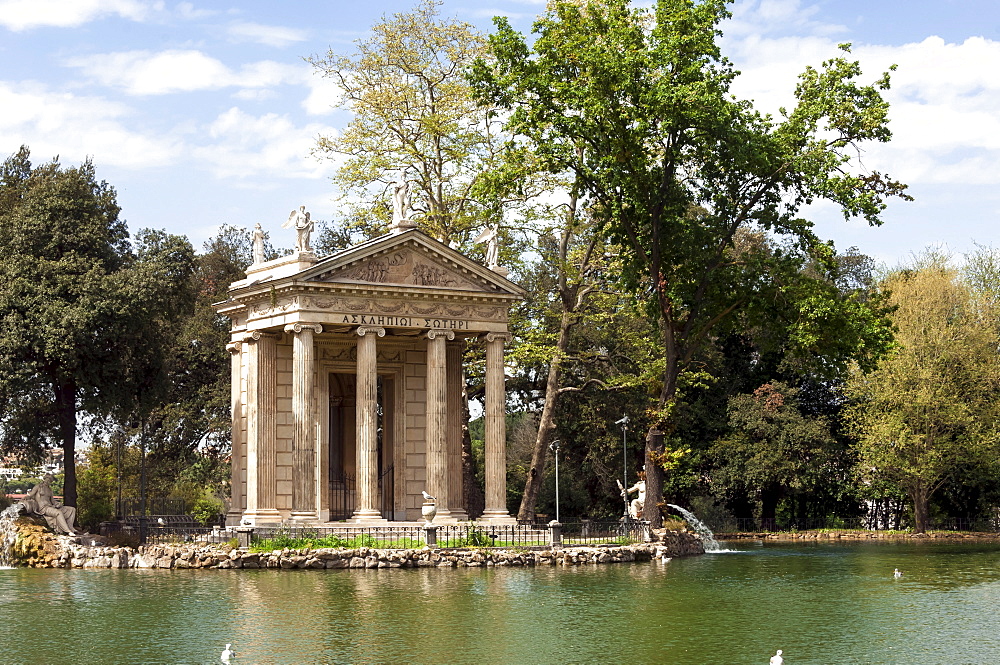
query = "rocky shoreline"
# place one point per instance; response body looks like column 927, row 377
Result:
column 858, row 535
column 39, row 549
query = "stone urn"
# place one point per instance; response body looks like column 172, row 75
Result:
column 428, row 511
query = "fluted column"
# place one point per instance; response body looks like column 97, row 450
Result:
column 237, row 500
column 437, row 420
column 304, row 420
column 496, row 431
column 367, row 509
column 262, row 406
column 456, row 390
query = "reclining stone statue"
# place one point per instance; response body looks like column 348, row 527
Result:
column 40, row 501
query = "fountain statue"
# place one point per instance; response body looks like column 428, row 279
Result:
column 707, row 537
column 638, row 503
column 40, row 501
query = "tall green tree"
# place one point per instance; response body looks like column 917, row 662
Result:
column 414, row 119
column 81, row 312
column 773, row 451
column 929, row 410
column 635, row 102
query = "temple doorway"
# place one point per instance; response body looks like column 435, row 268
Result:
column 342, row 442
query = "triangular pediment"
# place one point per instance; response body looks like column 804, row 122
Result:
column 409, row 259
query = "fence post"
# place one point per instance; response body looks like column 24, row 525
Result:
column 555, row 534
column 430, row 536
column 244, row 534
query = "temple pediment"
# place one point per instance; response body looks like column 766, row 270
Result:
column 408, row 259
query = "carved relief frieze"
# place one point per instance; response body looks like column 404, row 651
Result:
column 264, row 308
column 350, row 354
column 404, row 266
column 428, row 275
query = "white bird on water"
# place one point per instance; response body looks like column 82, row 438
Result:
column 776, row 659
column 896, row 573
column 427, row 497
column 228, row 654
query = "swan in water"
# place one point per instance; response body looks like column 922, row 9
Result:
column 896, row 573
column 228, row 654
column 776, row 659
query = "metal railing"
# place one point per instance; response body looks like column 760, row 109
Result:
column 154, row 506
column 343, row 495
column 620, row 532
column 456, row 535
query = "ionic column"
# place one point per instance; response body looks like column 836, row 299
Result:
column 304, row 420
column 367, row 509
column 496, row 431
column 456, row 388
column 437, row 420
column 262, row 406
column 237, row 500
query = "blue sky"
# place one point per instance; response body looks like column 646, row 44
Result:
column 204, row 113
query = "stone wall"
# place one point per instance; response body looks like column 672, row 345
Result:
column 51, row 551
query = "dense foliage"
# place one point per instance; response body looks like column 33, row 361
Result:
column 681, row 318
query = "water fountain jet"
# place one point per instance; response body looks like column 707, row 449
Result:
column 8, row 534
column 707, row 537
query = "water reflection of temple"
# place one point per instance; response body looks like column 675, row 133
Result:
column 347, row 382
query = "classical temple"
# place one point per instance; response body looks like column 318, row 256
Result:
column 347, row 381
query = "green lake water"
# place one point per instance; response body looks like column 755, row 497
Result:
column 821, row 604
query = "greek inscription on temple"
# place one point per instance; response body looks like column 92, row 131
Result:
column 405, row 322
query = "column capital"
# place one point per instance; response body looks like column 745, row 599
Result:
column 434, row 333
column 299, row 327
column 374, row 330
column 257, row 335
column 497, row 336
column 234, row 347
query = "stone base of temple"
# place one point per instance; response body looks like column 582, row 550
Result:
column 367, row 517
column 261, row 518
column 496, row 518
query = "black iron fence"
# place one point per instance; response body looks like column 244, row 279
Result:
column 154, row 506
column 460, row 535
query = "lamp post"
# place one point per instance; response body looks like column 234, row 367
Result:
column 623, row 421
column 554, row 447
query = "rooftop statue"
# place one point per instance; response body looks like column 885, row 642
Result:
column 258, row 243
column 302, row 222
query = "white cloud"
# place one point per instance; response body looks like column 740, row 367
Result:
column 187, row 10
column 243, row 146
column 76, row 127
column 943, row 98
column 761, row 17
column 20, row 15
column 269, row 35
column 146, row 73
column 324, row 96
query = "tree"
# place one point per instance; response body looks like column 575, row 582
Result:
column 80, row 312
column 773, row 450
column 678, row 171
column 929, row 410
column 414, row 120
